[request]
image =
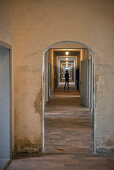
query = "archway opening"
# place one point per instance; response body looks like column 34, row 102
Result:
column 68, row 106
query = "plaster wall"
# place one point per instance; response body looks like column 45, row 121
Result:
column 39, row 24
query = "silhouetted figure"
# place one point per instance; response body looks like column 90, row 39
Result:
column 77, row 78
column 66, row 79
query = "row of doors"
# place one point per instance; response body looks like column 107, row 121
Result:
column 86, row 84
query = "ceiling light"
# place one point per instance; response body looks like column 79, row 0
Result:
column 67, row 52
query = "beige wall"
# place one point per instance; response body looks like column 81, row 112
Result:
column 39, row 24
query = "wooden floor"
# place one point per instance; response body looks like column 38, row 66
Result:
column 68, row 139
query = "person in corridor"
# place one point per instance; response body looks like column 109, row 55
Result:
column 66, row 79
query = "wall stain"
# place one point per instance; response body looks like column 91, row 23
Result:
column 16, row 119
column 33, row 54
column 38, row 103
column 25, row 145
column 97, row 77
column 96, row 82
column 109, row 142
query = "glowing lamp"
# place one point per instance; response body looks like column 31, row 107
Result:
column 67, row 52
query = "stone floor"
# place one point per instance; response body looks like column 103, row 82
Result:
column 68, row 139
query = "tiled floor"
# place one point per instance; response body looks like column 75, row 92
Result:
column 68, row 139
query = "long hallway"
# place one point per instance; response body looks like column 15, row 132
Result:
column 67, row 125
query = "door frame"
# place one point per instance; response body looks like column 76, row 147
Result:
column 9, row 47
column 93, row 83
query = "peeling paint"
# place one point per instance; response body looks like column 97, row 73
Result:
column 16, row 119
column 38, row 103
column 97, row 78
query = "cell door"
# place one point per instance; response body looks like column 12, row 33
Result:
column 55, row 77
column 84, row 98
column 4, row 106
column 86, row 87
column 90, row 83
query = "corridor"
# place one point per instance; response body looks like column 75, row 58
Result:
column 56, row 62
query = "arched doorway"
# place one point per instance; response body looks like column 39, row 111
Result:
column 88, row 67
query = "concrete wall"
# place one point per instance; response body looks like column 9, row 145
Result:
column 39, row 24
